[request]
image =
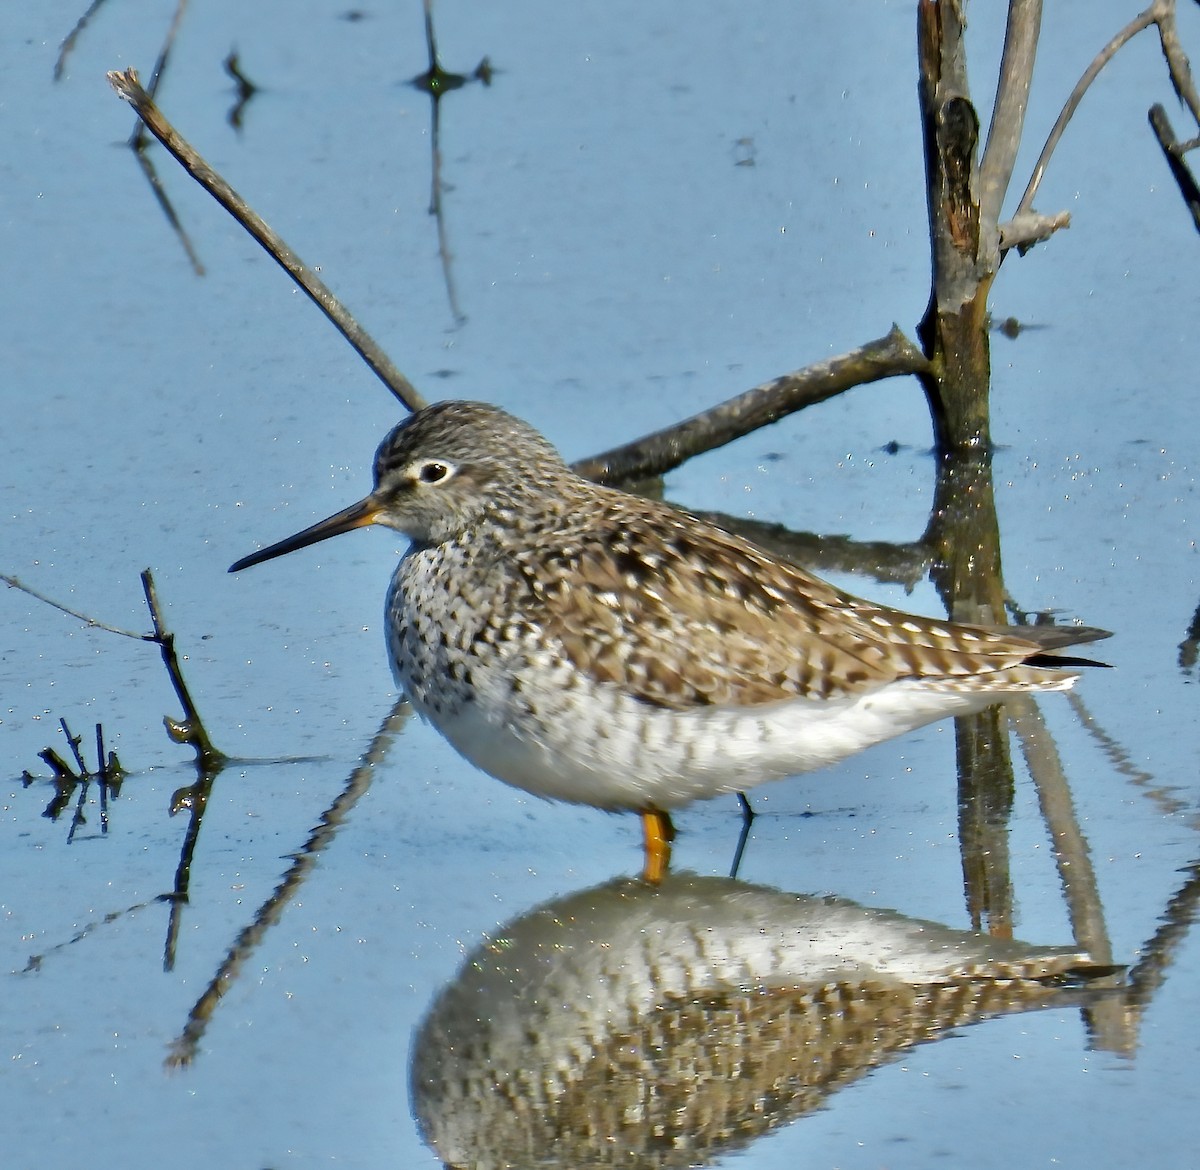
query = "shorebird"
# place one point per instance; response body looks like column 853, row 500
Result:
column 588, row 645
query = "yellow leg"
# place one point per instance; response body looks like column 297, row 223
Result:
column 658, row 833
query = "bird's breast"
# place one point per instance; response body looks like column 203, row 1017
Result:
column 452, row 630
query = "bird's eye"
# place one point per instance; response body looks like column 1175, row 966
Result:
column 433, row 472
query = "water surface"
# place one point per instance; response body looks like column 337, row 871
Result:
column 648, row 212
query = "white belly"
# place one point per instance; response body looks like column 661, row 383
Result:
column 616, row 752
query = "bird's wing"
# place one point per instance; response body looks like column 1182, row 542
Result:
column 684, row 615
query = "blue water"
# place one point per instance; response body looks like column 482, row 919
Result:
column 618, row 269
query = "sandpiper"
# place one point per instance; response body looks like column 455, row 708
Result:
column 588, row 645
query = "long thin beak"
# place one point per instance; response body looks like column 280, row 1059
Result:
column 356, row 516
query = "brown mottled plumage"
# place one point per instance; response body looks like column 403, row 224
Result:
column 719, row 622
column 593, row 646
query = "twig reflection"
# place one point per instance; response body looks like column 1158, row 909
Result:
column 246, row 89
column 437, row 82
column 183, row 1049
column 1123, row 764
column 1148, row 974
column 1076, row 873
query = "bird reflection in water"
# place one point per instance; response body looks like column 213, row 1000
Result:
column 644, row 1026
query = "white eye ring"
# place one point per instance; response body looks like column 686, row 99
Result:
column 433, row 471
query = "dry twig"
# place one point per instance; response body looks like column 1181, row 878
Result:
column 130, row 89
column 657, row 453
column 190, row 729
column 17, row 583
column 1173, row 151
column 1160, row 13
column 1008, row 111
